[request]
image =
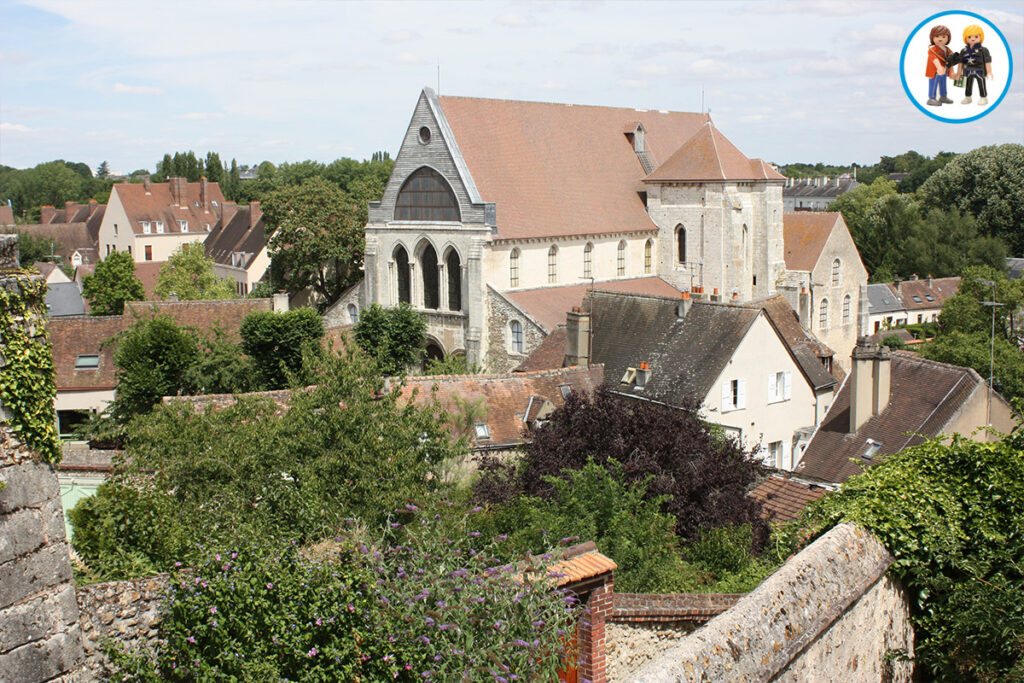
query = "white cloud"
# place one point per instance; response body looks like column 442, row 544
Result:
column 653, row 69
column 552, row 85
column 594, row 49
column 511, row 19
column 633, row 83
column 879, row 34
column 15, row 128
column 124, row 89
column 722, row 70
column 400, row 36
column 408, row 59
column 203, row 115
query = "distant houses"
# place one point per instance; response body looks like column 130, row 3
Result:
column 907, row 302
column 815, row 194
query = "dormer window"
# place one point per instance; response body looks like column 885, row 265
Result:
column 214, row 203
column 159, row 227
column 183, row 225
column 146, row 227
column 482, row 431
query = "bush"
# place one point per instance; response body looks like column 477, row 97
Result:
column 894, row 341
column 394, row 337
column 277, row 342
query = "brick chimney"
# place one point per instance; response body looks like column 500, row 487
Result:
column 70, row 208
column 255, row 212
column 177, row 187
column 93, row 204
column 870, row 382
column 46, row 213
column 683, row 307
column 715, row 296
column 643, row 374
column 577, row 338
column 147, row 186
column 203, row 195
column 227, row 212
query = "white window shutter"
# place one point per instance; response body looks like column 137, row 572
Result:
column 788, row 382
column 726, row 395
column 784, row 463
column 741, row 394
column 773, row 386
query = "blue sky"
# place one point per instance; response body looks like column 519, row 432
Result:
column 786, row 80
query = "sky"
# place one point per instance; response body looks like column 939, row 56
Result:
column 785, row 80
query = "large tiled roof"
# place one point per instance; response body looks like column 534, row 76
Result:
column 148, row 273
column 69, row 237
column 548, row 355
column 562, row 169
column 924, row 395
column 686, row 355
column 929, row 292
column 548, row 305
column 783, row 499
column 708, row 155
column 154, row 202
column 511, row 400
column 6, row 214
column 244, row 234
column 806, row 349
column 805, row 234
column 72, row 336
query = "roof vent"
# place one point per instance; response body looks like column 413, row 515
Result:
column 643, row 375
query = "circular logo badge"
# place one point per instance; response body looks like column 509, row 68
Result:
column 956, row 66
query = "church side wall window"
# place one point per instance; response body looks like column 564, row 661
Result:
column 588, row 260
column 454, row 267
column 823, row 315
column 402, row 275
column 846, row 309
column 680, row 244
column 620, row 264
column 836, row 272
column 426, row 196
column 431, row 290
column 516, row 330
column 513, row 268
column 648, row 256
column 553, row 265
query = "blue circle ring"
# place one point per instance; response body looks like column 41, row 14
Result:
column 903, row 75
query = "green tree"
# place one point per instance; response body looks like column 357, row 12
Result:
column 988, row 183
column 221, row 367
column 394, row 337
column 188, row 274
column 32, row 248
column 103, row 170
column 451, row 364
column 214, row 168
column 316, row 236
column 279, row 343
column 153, row 357
column 883, row 228
column 953, row 517
column 113, row 283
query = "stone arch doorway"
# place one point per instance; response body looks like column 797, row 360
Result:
column 433, row 350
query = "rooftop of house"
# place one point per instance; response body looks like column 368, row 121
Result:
column 197, row 204
column 148, row 273
column 90, row 214
column 709, row 155
column 917, row 293
column 66, row 239
column 63, row 298
column 924, row 395
column 579, row 563
column 783, row 499
column 805, row 348
column 881, row 299
column 805, row 234
column 548, row 305
column 818, row 187
column 82, row 360
column 549, row 354
column 512, row 403
column 522, row 156
column 238, row 237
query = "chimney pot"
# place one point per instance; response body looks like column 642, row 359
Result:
column 685, row 295
column 69, row 211
column 203, row 195
column 146, row 185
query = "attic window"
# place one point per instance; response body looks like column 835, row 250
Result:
column 929, row 297
column 629, row 376
column 424, row 135
column 146, row 229
column 183, row 225
column 87, row 362
column 566, row 389
column 195, row 203
column 159, row 227
column 917, row 299
column 213, row 203
column 885, row 301
column 872, row 449
column 481, row 430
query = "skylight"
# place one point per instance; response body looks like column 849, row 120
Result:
column 87, row 362
column 872, row 449
column 482, row 431
column 929, row 297
column 917, row 299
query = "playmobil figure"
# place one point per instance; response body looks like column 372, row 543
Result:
column 938, row 62
column 975, row 63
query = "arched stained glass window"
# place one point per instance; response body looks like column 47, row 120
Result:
column 426, row 196
column 620, row 264
column 648, row 256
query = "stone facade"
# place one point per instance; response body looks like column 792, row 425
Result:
column 630, row 645
column 501, row 357
column 127, row 612
column 830, row 613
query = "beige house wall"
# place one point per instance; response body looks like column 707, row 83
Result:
column 974, row 414
column 164, row 245
column 247, row 277
column 83, row 400
column 760, row 354
column 115, row 216
column 840, row 335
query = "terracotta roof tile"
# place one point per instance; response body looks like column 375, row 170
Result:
column 6, row 214
column 709, row 155
column 158, row 205
column 548, row 355
column 783, row 499
column 548, row 305
column 244, row 234
column 581, row 562
column 523, row 154
column 939, row 289
column 805, row 234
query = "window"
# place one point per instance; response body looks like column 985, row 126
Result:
column 846, row 310
column 872, row 449
column 353, row 314
column 431, row 289
column 403, row 281
column 929, row 297
column 836, row 268
column 129, row 250
column 566, row 389
column 213, row 203
column 917, row 299
column 146, row 227
column 453, row 266
column 513, row 268
column 426, row 196
column 823, row 315
column 553, row 265
column 115, row 229
column 183, row 226
column 159, row 227
column 620, row 262
column 76, row 259
column 780, row 386
column 481, row 430
column 87, row 362
column 680, row 244
column 588, row 260
column 775, row 454
column 149, row 252
column 734, row 395
column 516, row 329
column 424, row 135
column 648, row 256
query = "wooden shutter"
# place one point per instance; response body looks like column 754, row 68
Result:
column 788, row 385
column 741, row 394
column 726, row 396
column 773, row 387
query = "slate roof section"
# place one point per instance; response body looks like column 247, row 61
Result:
column 510, row 399
column 243, row 234
column 783, row 499
column 63, row 298
column 522, row 156
column 882, row 299
column 709, row 155
column 805, row 234
column 548, row 305
column 806, row 349
column 549, row 354
column 924, row 395
column 806, row 188
column 72, row 336
column 686, row 355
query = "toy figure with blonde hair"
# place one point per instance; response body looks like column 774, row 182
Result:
column 975, row 63
column 938, row 61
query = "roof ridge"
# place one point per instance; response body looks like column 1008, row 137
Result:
column 499, row 375
column 714, row 144
column 573, row 104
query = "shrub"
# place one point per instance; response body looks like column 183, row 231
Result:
column 277, row 342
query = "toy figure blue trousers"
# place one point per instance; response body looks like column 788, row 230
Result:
column 936, row 84
column 980, row 78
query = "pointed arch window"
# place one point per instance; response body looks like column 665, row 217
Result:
column 823, row 315
column 588, row 260
column 513, row 268
column 680, row 244
column 620, row 260
column 847, row 313
column 553, row 264
column 453, row 264
column 403, row 283
column 648, row 256
column 426, row 196
column 837, row 267
column 516, row 330
column 431, row 290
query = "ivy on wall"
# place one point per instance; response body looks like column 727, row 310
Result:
column 27, row 383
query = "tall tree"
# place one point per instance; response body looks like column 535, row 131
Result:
column 103, row 170
column 393, row 337
column 189, row 275
column 113, row 283
column 214, row 167
column 279, row 343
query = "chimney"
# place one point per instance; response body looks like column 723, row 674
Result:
column 863, row 314
column 804, row 308
column 147, row 186
column 643, row 375
column 227, row 212
column 715, row 296
column 869, row 382
column 577, row 338
column 683, row 307
column 697, row 292
column 254, row 214
column 93, row 204
column 177, row 187
column 203, row 195
column 46, row 214
column 280, row 302
column 70, row 209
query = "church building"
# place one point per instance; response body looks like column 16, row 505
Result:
column 499, row 214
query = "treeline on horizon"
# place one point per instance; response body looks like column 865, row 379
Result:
column 919, row 168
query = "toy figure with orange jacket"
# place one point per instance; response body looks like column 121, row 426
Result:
column 939, row 55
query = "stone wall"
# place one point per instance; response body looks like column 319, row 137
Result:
column 500, row 358
column 830, row 613
column 126, row 612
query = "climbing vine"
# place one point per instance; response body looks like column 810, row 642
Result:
column 27, row 385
